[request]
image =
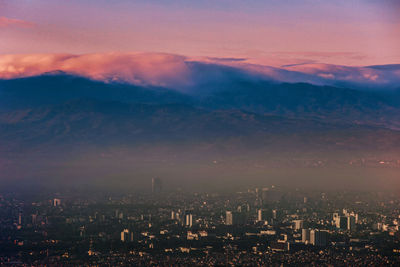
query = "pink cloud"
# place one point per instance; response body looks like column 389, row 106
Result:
column 342, row 73
column 180, row 72
column 9, row 22
column 156, row 69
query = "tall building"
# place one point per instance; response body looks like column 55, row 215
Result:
column 56, row 202
column 335, row 216
column 189, row 220
column 260, row 215
column 235, row 218
column 298, row 224
column 351, row 223
column 275, row 214
column 263, row 215
column 345, row 222
column 355, row 217
column 305, row 236
column 318, row 238
column 126, row 236
column 156, row 185
column 229, row 218
column 341, row 222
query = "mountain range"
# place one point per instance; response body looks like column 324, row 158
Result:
column 57, row 113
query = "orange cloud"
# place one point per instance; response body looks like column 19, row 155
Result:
column 8, row 22
column 156, row 69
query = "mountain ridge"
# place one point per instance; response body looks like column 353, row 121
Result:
column 296, row 100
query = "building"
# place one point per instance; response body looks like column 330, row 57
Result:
column 305, row 236
column 56, row 202
column 318, row 238
column 192, row 236
column 275, row 214
column 189, row 220
column 351, row 223
column 156, row 185
column 341, row 222
column 263, row 215
column 235, row 218
column 126, row 236
column 298, row 224
column 229, row 218
column 335, row 217
column 347, row 222
column 119, row 214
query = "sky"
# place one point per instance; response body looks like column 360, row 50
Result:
column 274, row 32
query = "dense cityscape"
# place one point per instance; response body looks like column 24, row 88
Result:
column 159, row 227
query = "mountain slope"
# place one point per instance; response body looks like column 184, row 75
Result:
column 56, row 88
column 302, row 100
column 96, row 123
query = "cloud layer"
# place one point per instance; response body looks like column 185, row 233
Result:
column 9, row 22
column 183, row 73
column 353, row 75
column 154, row 69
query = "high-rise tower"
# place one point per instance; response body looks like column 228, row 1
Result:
column 156, row 185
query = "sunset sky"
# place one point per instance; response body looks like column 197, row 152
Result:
column 275, row 32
